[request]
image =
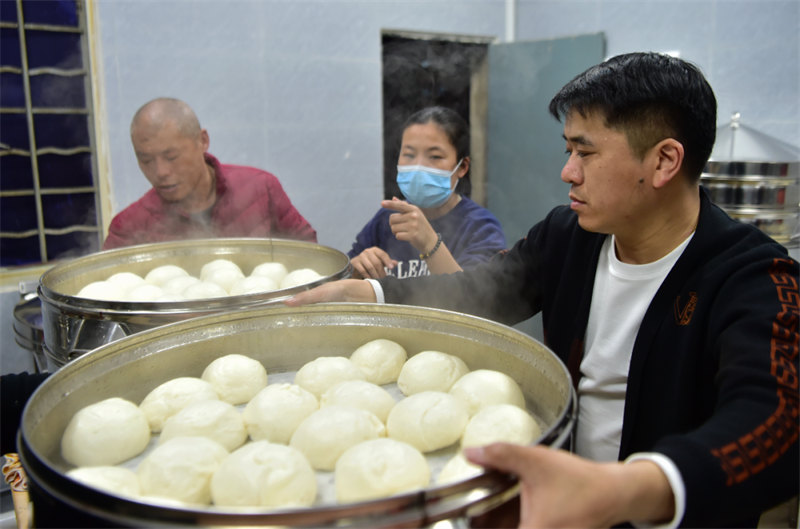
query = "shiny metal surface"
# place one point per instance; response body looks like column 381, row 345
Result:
column 28, row 331
column 771, row 193
column 73, row 325
column 765, row 194
column 737, row 141
column 784, row 227
column 789, row 170
column 284, row 339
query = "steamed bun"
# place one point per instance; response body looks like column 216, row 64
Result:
column 181, row 469
column 379, row 468
column 325, row 434
column 236, row 378
column 224, row 277
column 360, row 394
column 381, row 360
column 272, row 270
column 105, row 433
column 172, row 396
column 428, row 420
column 218, row 264
column 456, row 469
column 430, row 371
column 204, row 290
column 301, row 276
column 117, row 480
column 102, row 290
column 177, row 285
column 500, row 422
column 214, row 419
column 253, row 285
column 145, row 292
column 161, row 274
column 484, row 387
column 321, row 374
column 263, row 474
column 126, row 280
column 276, row 411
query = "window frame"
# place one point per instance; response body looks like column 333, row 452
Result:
column 94, row 110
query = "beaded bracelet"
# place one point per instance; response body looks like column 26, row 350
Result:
column 424, row 256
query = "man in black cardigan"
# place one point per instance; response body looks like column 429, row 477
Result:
column 678, row 324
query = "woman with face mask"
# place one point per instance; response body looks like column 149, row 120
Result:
column 436, row 229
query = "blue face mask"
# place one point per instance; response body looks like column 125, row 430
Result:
column 425, row 187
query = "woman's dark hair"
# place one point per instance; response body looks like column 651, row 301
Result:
column 456, row 129
column 648, row 97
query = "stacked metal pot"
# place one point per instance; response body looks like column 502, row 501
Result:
column 28, row 332
column 756, row 179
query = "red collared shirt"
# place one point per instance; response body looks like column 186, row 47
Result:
column 250, row 203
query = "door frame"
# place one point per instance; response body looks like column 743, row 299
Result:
column 478, row 103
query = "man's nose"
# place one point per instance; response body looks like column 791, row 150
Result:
column 162, row 168
column 570, row 173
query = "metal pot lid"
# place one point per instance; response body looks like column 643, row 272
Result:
column 738, row 142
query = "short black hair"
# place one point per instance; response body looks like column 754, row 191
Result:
column 649, row 97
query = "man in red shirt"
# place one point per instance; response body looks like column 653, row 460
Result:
column 193, row 195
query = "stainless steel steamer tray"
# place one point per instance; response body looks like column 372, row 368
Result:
column 284, row 339
column 72, row 325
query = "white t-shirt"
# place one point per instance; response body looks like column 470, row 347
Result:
column 622, row 292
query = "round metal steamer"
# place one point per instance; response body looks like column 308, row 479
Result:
column 766, row 195
column 284, row 339
column 755, row 178
column 72, row 325
column 28, row 332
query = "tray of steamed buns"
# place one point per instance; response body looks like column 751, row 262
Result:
column 211, row 271
column 95, row 299
column 334, row 414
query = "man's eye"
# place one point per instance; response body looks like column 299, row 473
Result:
column 579, row 154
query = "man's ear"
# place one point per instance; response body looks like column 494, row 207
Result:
column 669, row 161
column 204, row 139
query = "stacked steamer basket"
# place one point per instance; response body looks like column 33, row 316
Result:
column 74, row 325
column 756, row 179
column 28, row 332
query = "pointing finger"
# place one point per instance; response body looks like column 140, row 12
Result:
column 397, row 205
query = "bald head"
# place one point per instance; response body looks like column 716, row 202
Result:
column 170, row 147
column 157, row 113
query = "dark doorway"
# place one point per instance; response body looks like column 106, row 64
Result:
column 421, row 70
